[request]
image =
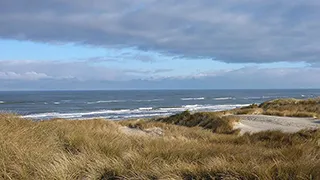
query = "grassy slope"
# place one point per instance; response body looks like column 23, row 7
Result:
column 293, row 107
column 284, row 107
column 97, row 149
column 214, row 121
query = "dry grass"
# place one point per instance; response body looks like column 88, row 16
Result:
column 292, row 107
column 97, row 149
column 214, row 121
column 283, row 107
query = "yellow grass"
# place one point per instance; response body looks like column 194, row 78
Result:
column 292, row 107
column 214, row 121
column 98, row 149
column 283, row 107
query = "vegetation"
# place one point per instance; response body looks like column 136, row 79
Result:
column 207, row 120
column 292, row 107
column 100, row 149
column 283, row 107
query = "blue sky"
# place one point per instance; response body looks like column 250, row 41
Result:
column 159, row 44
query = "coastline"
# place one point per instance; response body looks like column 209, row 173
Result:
column 134, row 104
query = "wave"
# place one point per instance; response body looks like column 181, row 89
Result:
column 264, row 97
column 121, row 101
column 17, row 102
column 192, row 99
column 107, row 101
column 272, row 97
column 148, row 100
column 73, row 115
column 138, row 116
column 213, row 107
column 56, row 103
column 146, row 109
column 223, row 98
column 132, row 113
column 253, row 98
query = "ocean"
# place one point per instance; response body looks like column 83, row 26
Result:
column 128, row 104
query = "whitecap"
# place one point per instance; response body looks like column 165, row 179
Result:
column 223, row 98
column 74, row 115
column 147, row 100
column 146, row 115
column 146, row 108
column 252, row 98
column 192, row 99
column 106, row 101
column 131, row 113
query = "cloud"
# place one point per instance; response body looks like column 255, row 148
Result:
column 23, row 76
column 254, row 77
column 148, row 72
column 76, row 70
column 98, row 59
column 52, row 75
column 233, row 31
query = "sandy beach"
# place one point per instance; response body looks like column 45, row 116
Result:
column 256, row 123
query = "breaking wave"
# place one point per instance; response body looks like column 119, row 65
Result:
column 142, row 112
column 192, row 99
column 223, row 98
column 122, row 101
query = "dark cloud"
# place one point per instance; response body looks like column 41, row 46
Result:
column 231, row 31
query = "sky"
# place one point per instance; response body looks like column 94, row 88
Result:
column 159, row 44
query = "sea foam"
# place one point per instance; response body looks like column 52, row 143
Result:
column 223, row 98
column 131, row 113
column 192, row 99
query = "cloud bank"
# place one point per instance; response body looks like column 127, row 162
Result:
column 69, row 70
column 59, row 75
column 233, row 31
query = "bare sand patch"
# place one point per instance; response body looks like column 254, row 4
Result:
column 256, row 123
column 155, row 131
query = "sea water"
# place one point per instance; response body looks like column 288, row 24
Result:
column 134, row 103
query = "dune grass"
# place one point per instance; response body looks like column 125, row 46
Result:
column 98, row 149
column 292, row 107
column 214, row 121
column 283, row 107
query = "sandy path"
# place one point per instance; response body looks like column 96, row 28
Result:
column 256, row 123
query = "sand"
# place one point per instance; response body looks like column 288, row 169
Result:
column 256, row 123
column 142, row 132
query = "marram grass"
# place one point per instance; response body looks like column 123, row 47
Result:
column 99, row 149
